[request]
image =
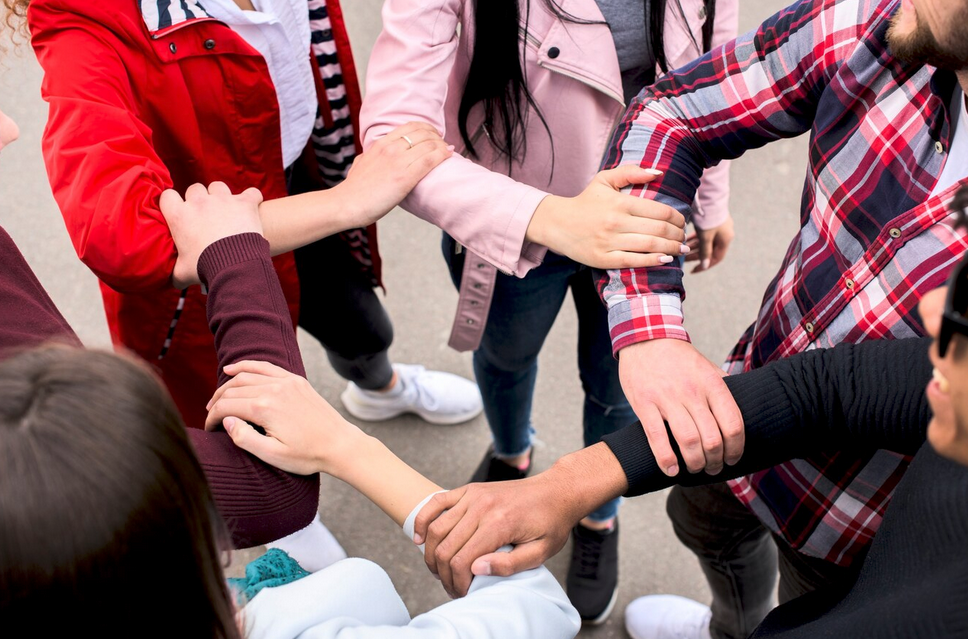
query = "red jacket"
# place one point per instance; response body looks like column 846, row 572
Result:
column 132, row 113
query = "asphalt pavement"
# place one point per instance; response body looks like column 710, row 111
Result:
column 766, row 186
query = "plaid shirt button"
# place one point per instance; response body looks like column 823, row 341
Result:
column 809, row 327
column 939, row 147
column 849, row 283
column 895, row 233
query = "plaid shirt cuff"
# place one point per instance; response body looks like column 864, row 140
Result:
column 638, row 319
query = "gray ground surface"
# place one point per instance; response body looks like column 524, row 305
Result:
column 766, row 187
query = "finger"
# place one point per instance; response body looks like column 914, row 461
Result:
column 248, row 409
column 711, row 439
column 414, row 126
column 629, row 259
column 655, row 211
column 195, row 191
column 655, row 431
column 420, row 136
column 638, row 243
column 254, row 366
column 168, row 202
column 239, row 381
column 432, row 510
column 504, row 564
column 252, row 194
column 437, row 532
column 628, row 174
column 686, row 433
column 453, row 559
column 720, row 249
column 248, row 439
column 427, row 162
column 730, row 421
column 219, row 188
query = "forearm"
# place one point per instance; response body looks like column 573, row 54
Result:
column 247, row 310
column 295, row 221
column 367, row 465
column 864, row 396
column 585, row 479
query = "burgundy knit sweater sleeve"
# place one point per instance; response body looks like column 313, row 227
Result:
column 28, row 316
column 247, row 311
column 248, row 315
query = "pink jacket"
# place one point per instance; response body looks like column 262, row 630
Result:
column 417, row 71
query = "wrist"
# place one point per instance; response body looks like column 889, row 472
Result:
column 584, row 480
column 543, row 221
column 349, row 452
column 346, row 208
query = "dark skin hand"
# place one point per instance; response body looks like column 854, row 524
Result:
column 535, row 515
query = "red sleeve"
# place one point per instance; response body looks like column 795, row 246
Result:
column 103, row 169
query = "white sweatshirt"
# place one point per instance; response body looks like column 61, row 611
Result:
column 355, row 599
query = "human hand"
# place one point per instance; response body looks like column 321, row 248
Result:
column 386, row 173
column 303, row 433
column 604, row 228
column 481, row 518
column 205, row 216
column 668, row 379
column 709, row 246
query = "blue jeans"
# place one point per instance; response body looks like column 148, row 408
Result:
column 506, row 363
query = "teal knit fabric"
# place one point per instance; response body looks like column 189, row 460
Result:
column 275, row 568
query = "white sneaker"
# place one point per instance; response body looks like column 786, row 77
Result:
column 439, row 398
column 667, row 617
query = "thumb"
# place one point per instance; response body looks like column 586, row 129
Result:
column 622, row 176
column 504, row 564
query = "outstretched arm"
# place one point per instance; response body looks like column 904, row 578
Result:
column 867, row 396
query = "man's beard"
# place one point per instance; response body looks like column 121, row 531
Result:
column 920, row 46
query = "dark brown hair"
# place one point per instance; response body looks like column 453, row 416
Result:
column 106, row 522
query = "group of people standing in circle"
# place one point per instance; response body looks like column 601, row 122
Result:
column 489, row 119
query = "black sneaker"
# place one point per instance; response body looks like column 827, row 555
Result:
column 592, row 582
column 493, row 469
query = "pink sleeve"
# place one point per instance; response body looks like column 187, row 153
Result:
column 712, row 198
column 408, row 80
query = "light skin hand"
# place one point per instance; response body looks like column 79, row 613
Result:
column 305, row 435
column 465, row 527
column 669, row 380
column 604, row 228
column 205, row 216
column 303, row 432
column 709, row 246
column 378, row 180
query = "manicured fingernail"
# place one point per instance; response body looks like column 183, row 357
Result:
column 665, row 259
column 655, row 172
column 684, row 249
column 229, row 423
column 450, row 147
column 418, row 538
column 484, row 568
column 705, row 264
column 672, row 470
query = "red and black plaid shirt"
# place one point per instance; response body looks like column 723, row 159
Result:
column 873, row 238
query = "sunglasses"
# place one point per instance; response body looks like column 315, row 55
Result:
column 954, row 319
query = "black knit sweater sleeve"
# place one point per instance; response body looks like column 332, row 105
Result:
column 864, row 396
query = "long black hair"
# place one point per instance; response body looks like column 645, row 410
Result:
column 497, row 76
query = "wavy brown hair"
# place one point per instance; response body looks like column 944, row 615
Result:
column 14, row 20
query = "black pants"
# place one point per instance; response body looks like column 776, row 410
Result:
column 339, row 307
column 740, row 558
